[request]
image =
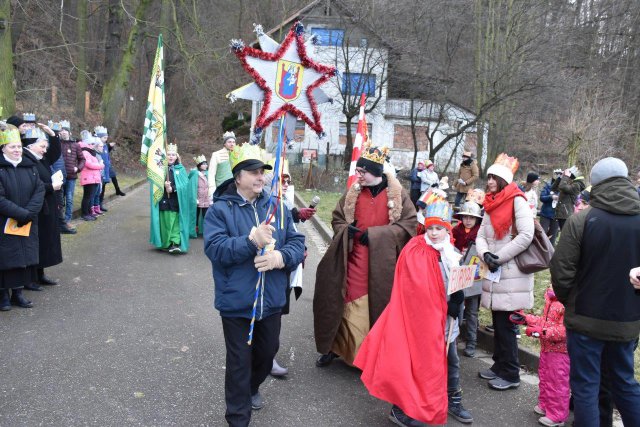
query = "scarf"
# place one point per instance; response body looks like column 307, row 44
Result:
column 448, row 255
column 15, row 163
column 499, row 206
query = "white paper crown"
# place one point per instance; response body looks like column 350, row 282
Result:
column 172, row 148
column 100, row 131
column 65, row 124
column 29, row 117
column 228, row 135
column 201, row 158
column 54, row 125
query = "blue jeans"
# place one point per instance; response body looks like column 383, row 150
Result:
column 587, row 354
column 460, row 198
column 96, row 196
column 68, row 188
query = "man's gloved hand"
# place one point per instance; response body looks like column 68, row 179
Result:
column 23, row 222
column 518, row 317
column 262, row 235
column 271, row 260
column 492, row 261
column 364, row 238
column 353, row 229
column 435, row 185
column 461, row 181
column 306, row 213
column 453, row 305
column 533, row 331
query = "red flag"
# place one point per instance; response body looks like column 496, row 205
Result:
column 362, row 136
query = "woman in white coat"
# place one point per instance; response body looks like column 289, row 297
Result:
column 498, row 244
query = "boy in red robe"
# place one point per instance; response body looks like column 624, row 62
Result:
column 404, row 357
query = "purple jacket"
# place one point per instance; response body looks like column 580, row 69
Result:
column 73, row 158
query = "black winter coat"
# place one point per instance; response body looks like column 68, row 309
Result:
column 49, row 233
column 21, row 197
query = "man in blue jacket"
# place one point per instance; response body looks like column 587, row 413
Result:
column 245, row 252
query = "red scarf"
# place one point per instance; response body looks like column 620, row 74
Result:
column 499, row 206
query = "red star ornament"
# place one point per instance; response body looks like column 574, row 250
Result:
column 287, row 77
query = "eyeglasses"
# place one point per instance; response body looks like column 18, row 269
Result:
column 286, row 181
column 360, row 172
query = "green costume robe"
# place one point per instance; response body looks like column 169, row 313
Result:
column 185, row 197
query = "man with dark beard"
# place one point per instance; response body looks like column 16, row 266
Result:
column 371, row 223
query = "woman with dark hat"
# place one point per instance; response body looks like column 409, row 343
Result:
column 43, row 153
column 21, row 197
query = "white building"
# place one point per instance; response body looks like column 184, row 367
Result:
column 362, row 61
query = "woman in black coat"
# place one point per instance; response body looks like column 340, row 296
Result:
column 44, row 153
column 21, row 197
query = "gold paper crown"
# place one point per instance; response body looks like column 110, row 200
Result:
column 375, row 154
column 172, row 148
column 511, row 163
column 9, row 134
column 244, row 152
column 200, row 159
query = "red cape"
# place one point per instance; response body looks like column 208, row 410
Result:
column 403, row 358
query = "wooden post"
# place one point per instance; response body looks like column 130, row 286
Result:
column 87, row 103
column 54, row 96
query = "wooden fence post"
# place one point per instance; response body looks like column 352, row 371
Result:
column 54, row 96
column 87, row 103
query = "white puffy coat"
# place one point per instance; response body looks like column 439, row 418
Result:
column 514, row 291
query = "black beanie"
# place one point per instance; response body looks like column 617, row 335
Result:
column 370, row 166
column 16, row 121
column 532, row 177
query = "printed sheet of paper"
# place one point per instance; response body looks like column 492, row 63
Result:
column 461, row 277
column 11, row 227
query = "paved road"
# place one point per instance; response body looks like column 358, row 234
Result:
column 131, row 338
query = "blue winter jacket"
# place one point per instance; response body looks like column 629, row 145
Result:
column 547, row 210
column 106, row 172
column 416, row 182
column 226, row 242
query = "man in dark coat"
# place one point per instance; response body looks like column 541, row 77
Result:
column 568, row 186
column 590, row 276
column 49, row 234
column 73, row 163
column 371, row 224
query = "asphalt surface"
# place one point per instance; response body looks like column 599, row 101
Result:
column 130, row 338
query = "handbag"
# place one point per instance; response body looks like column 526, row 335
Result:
column 539, row 253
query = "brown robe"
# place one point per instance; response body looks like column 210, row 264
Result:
column 385, row 244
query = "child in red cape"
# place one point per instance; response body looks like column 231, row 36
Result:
column 404, row 358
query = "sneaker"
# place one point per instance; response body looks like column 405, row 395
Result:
column 400, row 418
column 326, row 359
column 548, row 422
column 469, row 352
column 257, row 402
column 277, row 370
column 103, row 209
column 500, row 384
column 538, row 410
column 174, row 249
column 487, row 374
column 456, row 410
column 489, row 328
column 67, row 230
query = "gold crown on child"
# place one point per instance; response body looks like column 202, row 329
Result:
column 172, row 148
column 509, row 162
column 200, row 159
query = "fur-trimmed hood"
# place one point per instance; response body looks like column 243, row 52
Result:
column 394, row 195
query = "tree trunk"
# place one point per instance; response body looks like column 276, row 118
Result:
column 114, row 34
column 7, row 91
column 348, row 148
column 480, row 147
column 413, row 135
column 81, row 59
column 115, row 91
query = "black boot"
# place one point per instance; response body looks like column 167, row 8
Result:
column 18, row 299
column 117, row 187
column 44, row 280
column 33, row 287
column 5, row 302
column 456, row 409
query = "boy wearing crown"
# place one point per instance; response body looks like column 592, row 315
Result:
column 410, row 357
column 74, row 162
column 170, row 218
column 251, row 256
column 219, row 166
column 371, row 223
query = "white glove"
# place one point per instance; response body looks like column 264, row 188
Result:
column 633, row 277
column 271, row 260
column 261, row 234
column 461, row 181
column 57, row 186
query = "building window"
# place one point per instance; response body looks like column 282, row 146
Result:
column 363, row 43
column 328, row 36
column 357, row 83
column 342, row 131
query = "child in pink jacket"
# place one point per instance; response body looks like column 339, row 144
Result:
column 553, row 371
